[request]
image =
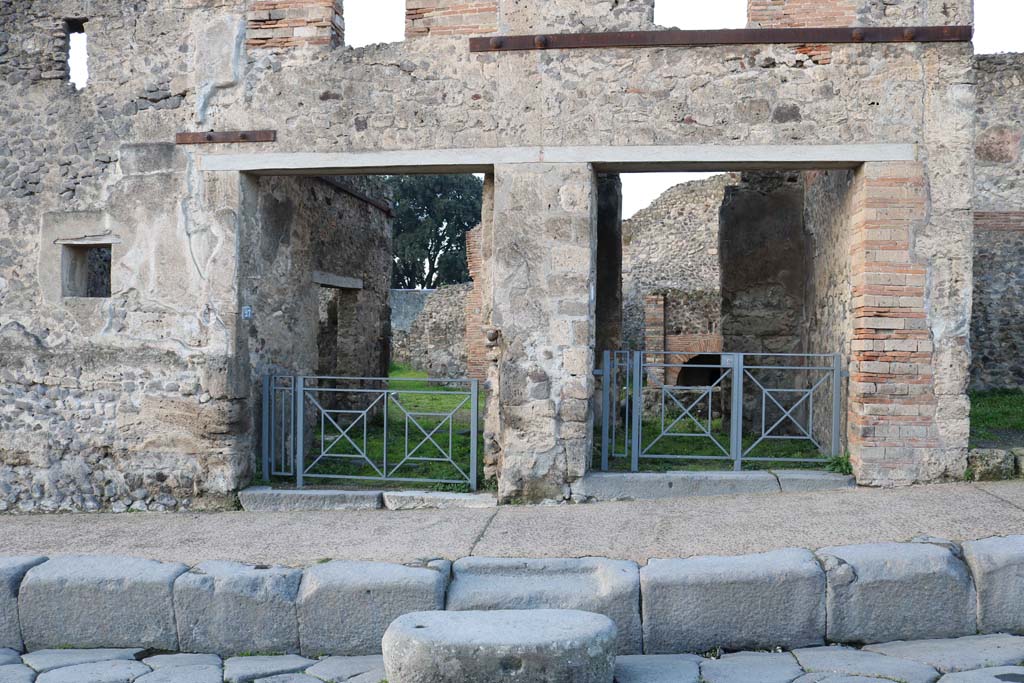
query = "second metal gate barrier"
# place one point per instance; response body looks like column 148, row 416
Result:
column 738, row 407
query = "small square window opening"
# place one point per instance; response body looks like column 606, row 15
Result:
column 85, row 270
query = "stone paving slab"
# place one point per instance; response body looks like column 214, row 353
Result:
column 115, row 671
column 657, row 669
column 638, row 531
column 338, row 669
column 16, row 673
column 958, row 654
column 851, row 662
column 9, row 656
column 184, row 674
column 47, row 660
column 247, row 669
column 745, row 667
column 997, row 565
column 1001, row 674
column 182, row 660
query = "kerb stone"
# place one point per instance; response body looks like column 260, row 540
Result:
column 657, row 485
column 440, row 500
column 90, row 602
column 527, row 646
column 796, row 481
column 345, row 607
column 897, row 591
column 12, row 571
column 608, row 587
column 997, row 565
column 266, row 499
column 229, row 608
column 762, row 601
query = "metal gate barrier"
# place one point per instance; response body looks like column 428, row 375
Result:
column 668, row 405
column 371, row 429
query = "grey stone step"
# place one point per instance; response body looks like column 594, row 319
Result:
column 267, row 499
column 12, row 572
column 794, row 481
column 441, row 500
column 526, row 646
column 604, row 486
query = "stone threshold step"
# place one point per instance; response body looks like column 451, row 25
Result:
column 268, row 499
column 605, row 486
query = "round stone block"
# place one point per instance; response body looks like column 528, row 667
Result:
column 525, row 646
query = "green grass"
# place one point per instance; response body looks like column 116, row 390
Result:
column 408, row 412
column 997, row 418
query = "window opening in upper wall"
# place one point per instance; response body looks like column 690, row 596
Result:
column 374, row 21
column 701, row 15
column 78, row 58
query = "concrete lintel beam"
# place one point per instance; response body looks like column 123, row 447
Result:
column 604, row 158
column 336, row 281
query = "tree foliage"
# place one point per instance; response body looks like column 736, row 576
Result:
column 432, row 215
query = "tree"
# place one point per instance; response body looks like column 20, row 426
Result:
column 432, row 215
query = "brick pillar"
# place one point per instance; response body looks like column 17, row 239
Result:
column 654, row 334
column 542, row 270
column 450, row 17
column 476, row 342
column 893, row 436
column 801, row 14
column 283, row 24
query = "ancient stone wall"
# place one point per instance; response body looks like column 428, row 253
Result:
column 671, row 249
column 997, row 325
column 763, row 266
column 434, row 341
column 84, row 159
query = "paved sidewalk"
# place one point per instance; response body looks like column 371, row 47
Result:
column 723, row 525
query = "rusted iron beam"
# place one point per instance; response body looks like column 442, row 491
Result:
column 743, row 36
column 215, row 137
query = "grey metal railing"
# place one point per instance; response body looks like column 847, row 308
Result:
column 657, row 406
column 370, row 429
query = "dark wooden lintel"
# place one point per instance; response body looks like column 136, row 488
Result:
column 743, row 36
column 215, row 137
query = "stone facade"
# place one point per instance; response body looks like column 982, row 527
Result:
column 435, row 339
column 160, row 376
column 997, row 325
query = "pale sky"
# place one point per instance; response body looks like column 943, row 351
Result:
column 997, row 29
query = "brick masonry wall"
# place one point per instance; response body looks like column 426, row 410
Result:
column 476, row 343
column 892, row 404
column 450, row 17
column 294, row 23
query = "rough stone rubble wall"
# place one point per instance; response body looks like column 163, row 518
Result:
column 174, row 320
column 997, row 325
column 435, row 341
column 671, row 249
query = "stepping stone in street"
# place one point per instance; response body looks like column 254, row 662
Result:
column 184, row 674
column 345, row 669
column 110, row 671
column 46, row 660
column 763, row 667
column 958, row 654
column 16, row 673
column 658, row 669
column 999, row 674
column 851, row 662
column 525, row 646
column 246, row 669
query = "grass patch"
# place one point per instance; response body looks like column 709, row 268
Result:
column 997, row 418
column 409, row 438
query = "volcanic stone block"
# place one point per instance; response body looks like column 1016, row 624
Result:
column 991, row 464
column 997, row 565
column 897, row 591
column 796, row 481
column 12, row 571
column 607, row 587
column 655, row 485
column 16, row 673
column 657, row 669
column 267, row 499
column 763, row 667
column 958, row 654
column 762, row 601
column 230, row 608
column 113, row 671
column 527, row 646
column 89, row 602
column 999, row 674
column 184, row 674
column 47, row 660
column 345, row 607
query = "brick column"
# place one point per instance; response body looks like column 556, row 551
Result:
column 542, row 271
column 450, row 17
column 892, row 403
column 283, row 24
column 654, row 334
